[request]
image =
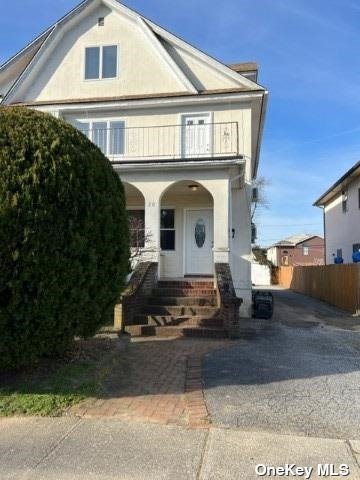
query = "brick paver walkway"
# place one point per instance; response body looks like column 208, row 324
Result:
column 156, row 380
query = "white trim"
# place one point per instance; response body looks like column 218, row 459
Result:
column 160, row 102
column 165, row 57
column 203, row 57
column 28, row 47
column 29, row 66
column 171, row 38
column 101, row 47
column 57, row 28
column 151, row 102
column 179, row 165
column 265, row 97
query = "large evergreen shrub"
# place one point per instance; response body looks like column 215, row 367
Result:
column 63, row 236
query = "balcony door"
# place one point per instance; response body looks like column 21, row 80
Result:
column 196, row 135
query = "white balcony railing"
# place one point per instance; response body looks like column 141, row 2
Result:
column 207, row 140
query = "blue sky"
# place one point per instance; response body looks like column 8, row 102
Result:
column 309, row 61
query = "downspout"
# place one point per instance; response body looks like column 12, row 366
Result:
column 324, row 227
column 231, row 180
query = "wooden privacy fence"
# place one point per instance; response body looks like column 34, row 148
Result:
column 338, row 285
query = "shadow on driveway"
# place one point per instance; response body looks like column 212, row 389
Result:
column 290, row 379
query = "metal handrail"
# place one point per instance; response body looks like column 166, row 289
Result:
column 211, row 139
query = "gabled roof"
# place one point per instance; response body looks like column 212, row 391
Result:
column 339, row 185
column 158, row 37
column 238, row 79
column 294, row 240
column 36, row 44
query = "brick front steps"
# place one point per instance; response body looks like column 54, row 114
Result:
column 184, row 308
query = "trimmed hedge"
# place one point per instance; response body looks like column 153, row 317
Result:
column 64, row 241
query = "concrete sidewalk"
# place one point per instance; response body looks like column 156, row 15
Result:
column 89, row 449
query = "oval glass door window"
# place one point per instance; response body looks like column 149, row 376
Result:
column 200, row 233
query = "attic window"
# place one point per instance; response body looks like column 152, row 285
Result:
column 101, row 62
column 101, row 21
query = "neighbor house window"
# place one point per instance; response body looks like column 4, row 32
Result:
column 137, row 228
column 108, row 135
column 101, row 62
column 305, row 250
column 356, row 247
column 167, row 229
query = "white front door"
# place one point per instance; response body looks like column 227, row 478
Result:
column 196, row 139
column 199, row 242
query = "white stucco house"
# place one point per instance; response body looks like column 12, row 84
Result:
column 182, row 129
column 341, row 210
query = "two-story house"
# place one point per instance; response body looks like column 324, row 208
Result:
column 182, row 129
column 303, row 249
column 341, row 210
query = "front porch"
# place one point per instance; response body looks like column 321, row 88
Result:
column 175, row 227
column 190, row 218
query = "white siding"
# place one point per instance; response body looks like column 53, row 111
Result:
column 342, row 230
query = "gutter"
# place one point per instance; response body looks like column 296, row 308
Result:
column 176, row 165
column 264, row 103
column 341, row 182
column 142, row 102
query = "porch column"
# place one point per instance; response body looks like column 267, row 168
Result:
column 221, row 224
column 152, row 227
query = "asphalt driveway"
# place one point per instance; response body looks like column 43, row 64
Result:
column 301, row 376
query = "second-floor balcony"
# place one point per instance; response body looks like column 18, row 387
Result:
column 167, row 142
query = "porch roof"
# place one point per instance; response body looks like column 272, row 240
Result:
column 168, row 164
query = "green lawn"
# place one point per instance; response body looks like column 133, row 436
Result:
column 54, row 385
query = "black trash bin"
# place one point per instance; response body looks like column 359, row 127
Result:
column 263, row 304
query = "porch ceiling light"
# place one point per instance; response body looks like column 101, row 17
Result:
column 193, row 188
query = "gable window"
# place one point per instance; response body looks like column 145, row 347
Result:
column 305, row 250
column 108, row 135
column 92, row 63
column 167, row 229
column 109, row 62
column 101, row 62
